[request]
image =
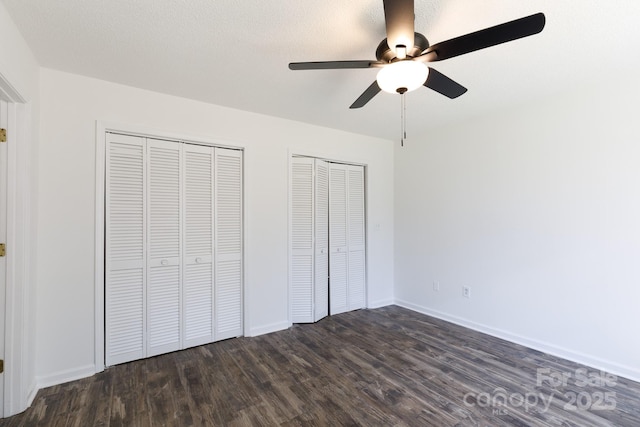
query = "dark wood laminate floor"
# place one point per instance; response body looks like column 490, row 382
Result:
column 382, row 367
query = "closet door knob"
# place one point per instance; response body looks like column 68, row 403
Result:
column 198, row 260
column 164, row 262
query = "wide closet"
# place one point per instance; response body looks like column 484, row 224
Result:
column 173, row 246
column 327, row 239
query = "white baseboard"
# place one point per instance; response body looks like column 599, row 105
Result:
column 267, row 329
column 632, row 373
column 381, row 303
column 65, row 376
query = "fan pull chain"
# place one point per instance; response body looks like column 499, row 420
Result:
column 403, row 119
column 404, row 116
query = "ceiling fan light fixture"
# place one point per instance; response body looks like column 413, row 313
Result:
column 402, row 76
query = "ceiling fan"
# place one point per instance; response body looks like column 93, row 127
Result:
column 403, row 55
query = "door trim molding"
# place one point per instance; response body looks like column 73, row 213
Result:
column 19, row 377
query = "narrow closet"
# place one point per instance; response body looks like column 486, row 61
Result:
column 173, row 246
column 327, row 239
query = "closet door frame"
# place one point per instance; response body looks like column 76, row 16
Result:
column 327, row 157
column 102, row 129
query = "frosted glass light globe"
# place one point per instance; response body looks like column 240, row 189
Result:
column 407, row 74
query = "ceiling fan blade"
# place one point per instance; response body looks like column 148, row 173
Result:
column 443, row 84
column 333, row 65
column 366, row 96
column 399, row 18
column 488, row 37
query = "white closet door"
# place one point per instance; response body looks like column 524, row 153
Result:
column 301, row 274
column 338, row 257
column 228, row 243
column 164, row 291
column 125, row 270
column 321, row 264
column 198, row 245
column 356, row 237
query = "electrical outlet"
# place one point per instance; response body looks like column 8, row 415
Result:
column 466, row 291
column 436, row 285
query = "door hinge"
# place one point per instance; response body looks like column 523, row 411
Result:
column 1, row 366
column 3, row 135
column 3, row 249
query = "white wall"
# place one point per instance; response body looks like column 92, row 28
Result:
column 19, row 70
column 17, row 62
column 71, row 105
column 537, row 209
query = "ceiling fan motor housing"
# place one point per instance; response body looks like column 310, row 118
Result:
column 385, row 53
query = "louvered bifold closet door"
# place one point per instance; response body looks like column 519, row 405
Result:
column 228, row 243
column 321, row 220
column 164, row 293
column 338, row 256
column 356, row 237
column 198, row 245
column 125, row 237
column 301, row 265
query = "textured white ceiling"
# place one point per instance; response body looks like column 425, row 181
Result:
column 235, row 52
